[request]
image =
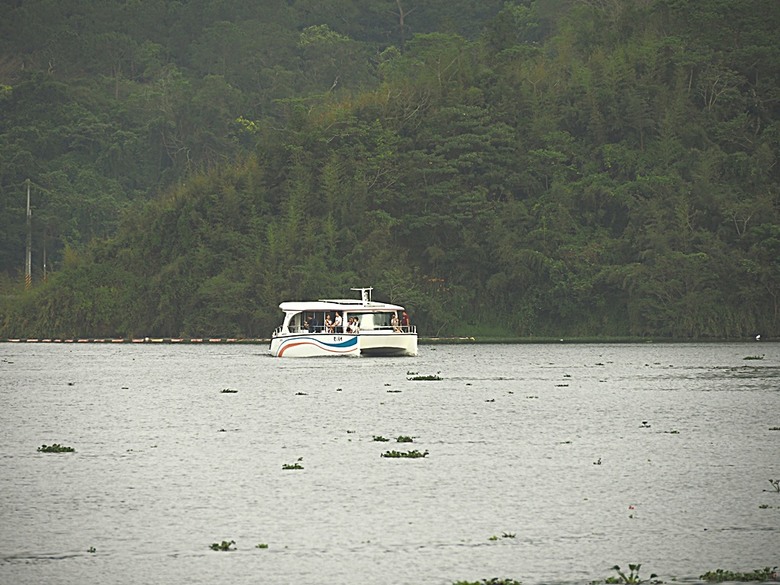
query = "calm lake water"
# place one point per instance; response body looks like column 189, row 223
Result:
column 546, row 464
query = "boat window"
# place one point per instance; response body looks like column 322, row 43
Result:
column 294, row 323
column 372, row 321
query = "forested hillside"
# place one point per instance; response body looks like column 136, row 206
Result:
column 519, row 168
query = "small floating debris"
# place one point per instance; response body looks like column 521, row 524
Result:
column 380, row 439
column 301, row 394
column 261, row 545
column 754, row 357
column 597, row 461
column 224, row 546
column 288, row 466
column 228, row 391
column 92, row 549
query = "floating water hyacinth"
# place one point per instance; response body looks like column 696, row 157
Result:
column 414, row 454
column 426, row 378
column 493, row 581
column 719, row 575
column 223, row 546
column 296, row 465
column 632, row 577
column 56, row 448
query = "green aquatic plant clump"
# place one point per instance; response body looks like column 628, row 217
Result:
column 55, row 448
column 404, row 439
column 380, row 439
column 414, row 454
column 719, row 575
column 223, row 546
column 632, row 577
column 426, row 378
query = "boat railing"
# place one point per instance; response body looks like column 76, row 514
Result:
column 397, row 329
column 321, row 329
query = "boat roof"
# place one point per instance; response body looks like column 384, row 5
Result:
column 349, row 305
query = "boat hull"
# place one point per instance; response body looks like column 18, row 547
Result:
column 388, row 344
column 367, row 344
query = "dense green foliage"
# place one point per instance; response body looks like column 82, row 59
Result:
column 528, row 167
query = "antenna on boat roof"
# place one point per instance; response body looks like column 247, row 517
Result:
column 365, row 294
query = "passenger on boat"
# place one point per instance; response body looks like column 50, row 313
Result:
column 328, row 324
column 405, row 321
column 394, row 322
column 337, row 324
column 352, row 325
column 313, row 325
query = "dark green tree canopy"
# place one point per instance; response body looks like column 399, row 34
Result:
column 516, row 167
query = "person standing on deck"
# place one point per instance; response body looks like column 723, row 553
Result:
column 337, row 324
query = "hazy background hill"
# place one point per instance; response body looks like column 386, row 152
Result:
column 581, row 167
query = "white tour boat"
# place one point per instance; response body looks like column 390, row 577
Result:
column 351, row 327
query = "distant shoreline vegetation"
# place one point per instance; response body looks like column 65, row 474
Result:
column 422, row 340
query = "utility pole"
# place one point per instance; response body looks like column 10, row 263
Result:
column 44, row 256
column 28, row 256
